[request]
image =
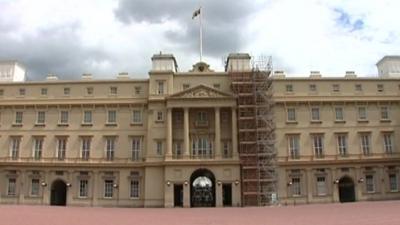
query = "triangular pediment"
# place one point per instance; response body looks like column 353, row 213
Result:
column 201, row 91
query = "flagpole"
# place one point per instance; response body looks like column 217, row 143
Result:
column 201, row 35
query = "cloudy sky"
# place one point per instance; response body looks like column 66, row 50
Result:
column 105, row 37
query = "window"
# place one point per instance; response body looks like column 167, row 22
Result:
column 87, row 117
column 138, row 90
column 35, row 187
column 342, row 144
column 111, row 117
column 178, row 117
column 41, row 117
column 388, row 142
column 335, row 87
column 1, row 92
column 291, row 114
column 202, row 118
column 18, row 117
column 134, row 189
column 67, row 91
column 379, row 87
column 12, row 187
column 318, row 145
column 137, row 116
column 178, row 149
column 110, row 148
column 14, row 148
column 37, row 147
column 226, row 152
column 217, row 86
column 294, row 146
column 185, row 86
column 339, row 114
column 43, row 91
column 159, row 147
column 160, row 116
column 61, row 148
column 160, row 87
column 22, row 91
column 365, row 139
column 315, row 114
column 384, row 113
column 296, row 187
column 108, row 188
column 393, row 185
column 312, row 88
column 202, row 147
column 358, row 87
column 369, row 183
column 83, row 188
column 113, row 91
column 89, row 90
column 289, row 88
column 135, row 147
column 224, row 117
column 321, row 185
column 86, row 141
column 64, row 117
column 362, row 113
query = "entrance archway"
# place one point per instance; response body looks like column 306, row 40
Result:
column 58, row 193
column 202, row 188
column 346, row 190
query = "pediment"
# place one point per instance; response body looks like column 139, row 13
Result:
column 201, row 91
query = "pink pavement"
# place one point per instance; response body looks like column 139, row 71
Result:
column 359, row 213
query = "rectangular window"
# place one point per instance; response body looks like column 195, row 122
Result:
column 291, row 114
column 136, row 147
column 358, row 87
column 315, row 114
column 362, row 113
column 87, row 117
column 365, row 142
column 86, row 141
column 64, row 117
column 160, row 116
column 185, row 86
column 89, row 90
column 217, row 86
column 22, row 92
column 136, row 116
column 134, row 193
column 296, row 186
column 294, row 146
column 113, row 91
column 108, row 188
column 159, row 147
column 35, row 187
column 379, row 87
column 160, row 87
column 226, row 151
column 61, row 148
column 384, row 113
column 112, row 116
column 43, row 91
column 41, row 117
column 202, row 147
column 110, row 148
column 178, row 149
column 18, row 117
column 321, row 185
column 83, row 188
column 312, row 88
column 1, row 92
column 202, row 118
column 12, row 187
column 388, row 142
column 339, row 114
column 14, row 148
column 318, row 145
column 37, row 148
column 369, row 183
column 138, row 90
column 289, row 88
column 67, row 91
column 336, row 88
column 342, row 144
column 393, row 184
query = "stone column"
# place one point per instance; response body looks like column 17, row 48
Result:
column 358, row 187
column 186, row 195
column 218, row 194
column 335, row 189
column 309, row 185
column 169, row 134
column 235, row 150
column 186, row 145
column 217, row 145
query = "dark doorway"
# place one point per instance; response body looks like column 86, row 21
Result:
column 346, row 190
column 202, row 188
column 58, row 193
column 178, row 195
column 227, row 194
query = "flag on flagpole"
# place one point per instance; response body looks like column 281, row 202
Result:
column 196, row 13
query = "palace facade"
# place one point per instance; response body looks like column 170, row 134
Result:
column 179, row 139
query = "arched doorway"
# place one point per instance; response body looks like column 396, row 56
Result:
column 58, row 193
column 346, row 190
column 202, row 188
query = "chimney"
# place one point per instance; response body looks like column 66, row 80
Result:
column 350, row 75
column 87, row 76
column 123, row 75
column 315, row 74
column 51, row 76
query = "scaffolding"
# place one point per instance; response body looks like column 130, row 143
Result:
column 256, row 136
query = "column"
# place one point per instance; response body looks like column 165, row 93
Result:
column 235, row 149
column 186, row 146
column 335, row 189
column 186, row 195
column 357, row 185
column 169, row 134
column 217, row 145
column 218, row 194
column 309, row 185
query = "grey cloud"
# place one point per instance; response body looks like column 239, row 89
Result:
column 223, row 21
